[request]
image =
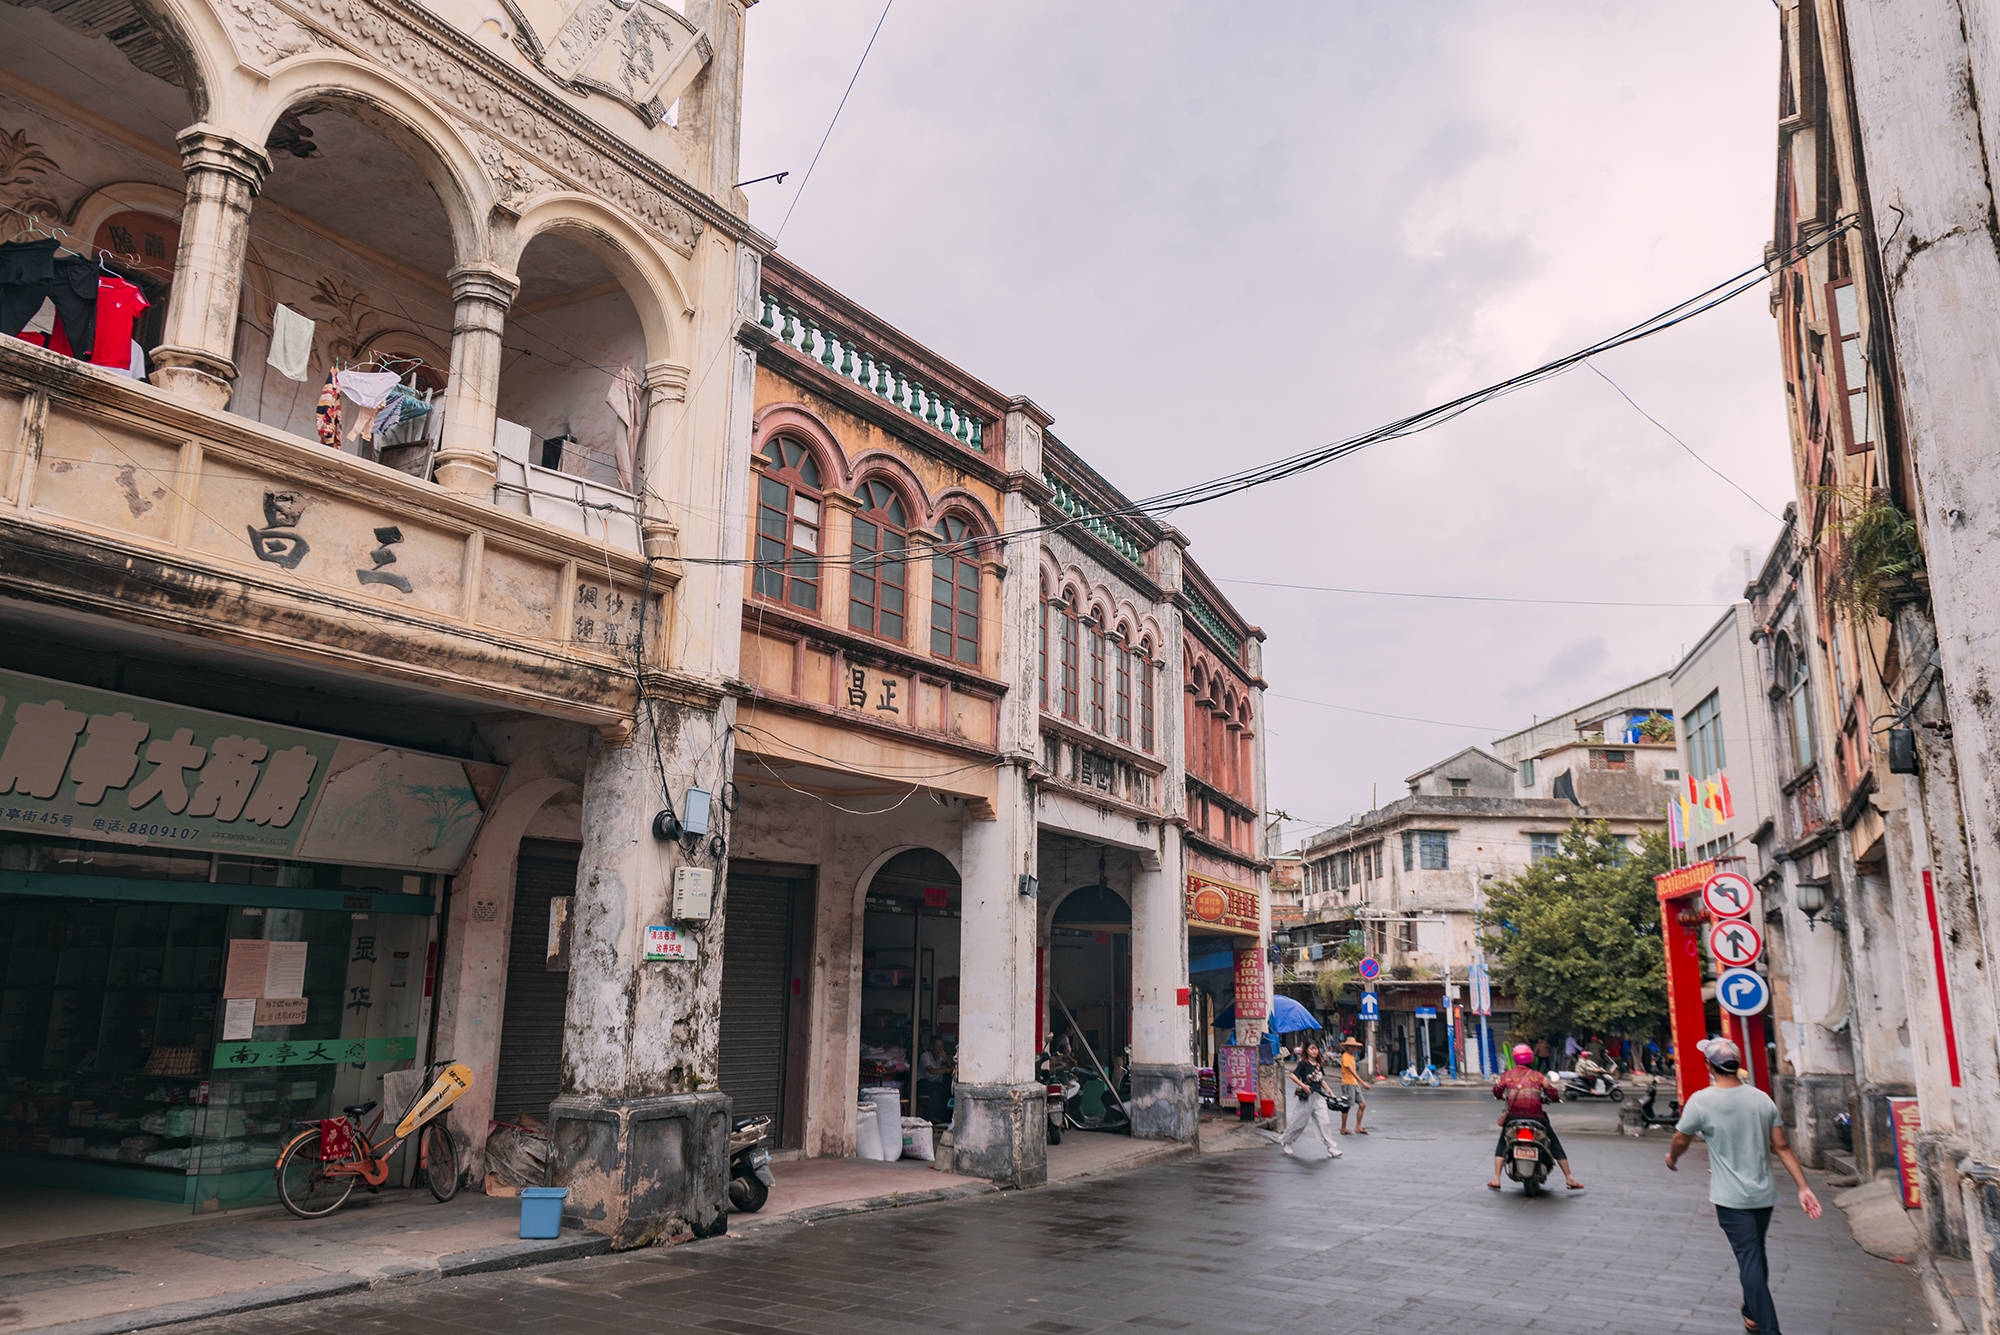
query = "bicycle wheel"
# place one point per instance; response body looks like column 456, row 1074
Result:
column 440, row 1162
column 1431, row 1078
column 303, row 1185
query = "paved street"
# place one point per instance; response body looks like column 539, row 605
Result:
column 1398, row 1236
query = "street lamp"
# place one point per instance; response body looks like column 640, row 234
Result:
column 1812, row 900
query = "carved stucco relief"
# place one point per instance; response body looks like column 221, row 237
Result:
column 267, row 36
column 523, row 141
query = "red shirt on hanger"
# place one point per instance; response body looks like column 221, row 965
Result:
column 118, row 307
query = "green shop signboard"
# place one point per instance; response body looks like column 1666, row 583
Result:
column 312, row 1052
column 93, row 764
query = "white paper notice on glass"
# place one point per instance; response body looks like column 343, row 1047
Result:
column 286, row 974
column 239, row 1017
column 249, row 962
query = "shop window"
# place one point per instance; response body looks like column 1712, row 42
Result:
column 788, row 526
column 955, row 595
column 875, row 590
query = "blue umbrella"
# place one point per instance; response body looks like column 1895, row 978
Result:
column 1287, row 1017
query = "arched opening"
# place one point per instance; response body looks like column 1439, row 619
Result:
column 572, row 397
column 103, row 210
column 910, row 982
column 1088, row 969
column 344, row 330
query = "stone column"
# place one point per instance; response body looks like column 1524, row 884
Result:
column 917, row 610
column 836, row 537
column 640, row 1134
column 1000, row 1123
column 481, row 294
column 197, row 360
column 666, row 385
column 1163, row 1078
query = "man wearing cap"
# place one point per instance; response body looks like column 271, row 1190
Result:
column 1740, row 1124
column 1352, row 1086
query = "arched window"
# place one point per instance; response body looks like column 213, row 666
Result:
column 1097, row 701
column 875, row 589
column 788, row 502
column 1122, row 719
column 1045, row 644
column 1144, row 665
column 955, row 596
column 1066, row 612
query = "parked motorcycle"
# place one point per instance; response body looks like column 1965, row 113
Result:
column 1090, row 1104
column 1529, row 1154
column 1646, row 1114
column 1600, row 1086
column 750, row 1179
column 1058, row 1101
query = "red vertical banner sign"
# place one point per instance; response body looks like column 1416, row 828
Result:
column 1905, row 1121
column 1943, row 984
column 1251, row 1004
column 1680, row 892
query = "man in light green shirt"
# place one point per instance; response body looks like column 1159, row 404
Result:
column 1740, row 1124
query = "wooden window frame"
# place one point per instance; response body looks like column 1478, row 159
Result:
column 955, row 563
column 870, row 615
column 1097, row 692
column 778, row 575
column 1123, row 717
column 1845, row 341
column 1069, row 687
column 1045, row 650
column 1146, row 715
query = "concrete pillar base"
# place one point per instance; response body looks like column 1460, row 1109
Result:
column 1979, row 1184
column 1001, row 1133
column 193, row 377
column 643, row 1170
column 1165, row 1103
column 1943, row 1211
column 1816, row 1101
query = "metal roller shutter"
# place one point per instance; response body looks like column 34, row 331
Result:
column 756, row 938
column 531, row 1025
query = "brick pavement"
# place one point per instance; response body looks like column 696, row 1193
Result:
column 1400, row 1236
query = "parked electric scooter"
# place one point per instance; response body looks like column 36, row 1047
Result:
column 1529, row 1154
column 750, row 1179
column 1646, row 1114
column 1091, row 1102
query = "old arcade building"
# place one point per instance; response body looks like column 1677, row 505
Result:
column 957, row 775
column 347, row 475
column 1227, row 874
column 878, row 839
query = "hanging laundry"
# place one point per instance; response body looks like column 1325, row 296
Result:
column 291, row 343
column 118, row 307
column 327, row 411
column 31, row 272
column 367, row 388
column 627, row 398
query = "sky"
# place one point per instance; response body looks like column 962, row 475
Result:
column 1206, row 235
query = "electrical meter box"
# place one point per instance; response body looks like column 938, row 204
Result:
column 694, row 894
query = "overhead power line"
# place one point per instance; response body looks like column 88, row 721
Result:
column 1376, row 713
column 1457, row 597
column 806, row 180
column 1592, row 368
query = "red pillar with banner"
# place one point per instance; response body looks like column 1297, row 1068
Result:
column 1687, row 1014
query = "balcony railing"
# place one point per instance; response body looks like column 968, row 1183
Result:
column 845, row 356
column 122, row 501
column 1805, row 809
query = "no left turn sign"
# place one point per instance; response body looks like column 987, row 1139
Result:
column 1728, row 894
column 1734, row 943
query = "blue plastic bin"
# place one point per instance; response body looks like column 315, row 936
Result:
column 541, row 1211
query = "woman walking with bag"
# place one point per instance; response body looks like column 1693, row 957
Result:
column 1309, row 1101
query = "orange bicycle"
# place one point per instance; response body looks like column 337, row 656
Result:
column 318, row 1168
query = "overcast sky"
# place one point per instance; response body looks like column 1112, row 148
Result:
column 1201, row 239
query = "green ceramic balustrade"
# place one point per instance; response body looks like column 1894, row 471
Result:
column 1211, row 621
column 1074, row 506
column 850, row 361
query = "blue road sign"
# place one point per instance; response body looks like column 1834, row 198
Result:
column 1369, row 968
column 1427, row 1013
column 1742, row 992
column 1371, row 1007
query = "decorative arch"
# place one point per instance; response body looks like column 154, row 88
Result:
column 884, row 858
column 656, row 290
column 800, row 422
column 407, row 119
column 201, row 45
column 959, row 500
column 1151, row 638
column 881, row 465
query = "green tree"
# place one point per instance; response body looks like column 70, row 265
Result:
column 1576, row 937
